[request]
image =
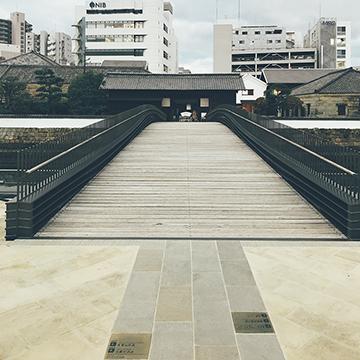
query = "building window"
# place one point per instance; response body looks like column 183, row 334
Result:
column 257, row 32
column 166, row 68
column 204, row 102
column 166, row 55
column 241, row 42
column 341, row 30
column 139, row 38
column 166, row 103
column 244, row 33
column 342, row 109
column 268, row 32
column 308, row 109
column 250, row 92
column 166, row 42
column 115, row 52
column 269, row 41
column 341, row 54
column 166, row 29
column 278, row 41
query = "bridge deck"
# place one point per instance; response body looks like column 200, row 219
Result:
column 189, row 180
column 181, row 182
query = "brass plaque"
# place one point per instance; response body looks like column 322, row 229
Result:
column 129, row 346
column 252, row 323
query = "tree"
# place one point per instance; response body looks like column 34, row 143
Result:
column 260, row 106
column 49, row 92
column 277, row 101
column 85, row 96
column 14, row 96
column 291, row 106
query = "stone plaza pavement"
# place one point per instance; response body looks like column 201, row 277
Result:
column 161, row 255
column 61, row 301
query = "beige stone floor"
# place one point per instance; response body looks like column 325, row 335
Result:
column 313, row 296
column 60, row 302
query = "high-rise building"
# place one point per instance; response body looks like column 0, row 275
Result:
column 37, row 42
column 129, row 30
column 56, row 46
column 60, row 48
column 332, row 39
column 19, row 28
column 252, row 49
column 5, row 31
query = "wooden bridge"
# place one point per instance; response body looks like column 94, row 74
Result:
column 187, row 195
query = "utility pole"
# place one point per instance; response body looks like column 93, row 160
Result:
column 239, row 12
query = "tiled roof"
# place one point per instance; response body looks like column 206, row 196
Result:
column 338, row 82
column 293, row 76
column 26, row 73
column 31, row 58
column 133, row 81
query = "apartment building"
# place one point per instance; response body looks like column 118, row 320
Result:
column 19, row 28
column 5, row 31
column 13, row 35
column 56, row 46
column 332, row 39
column 37, row 42
column 252, row 49
column 60, row 48
column 127, row 30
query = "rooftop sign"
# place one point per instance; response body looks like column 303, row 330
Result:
column 97, row 5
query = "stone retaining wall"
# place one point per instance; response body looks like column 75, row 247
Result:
column 345, row 137
column 30, row 135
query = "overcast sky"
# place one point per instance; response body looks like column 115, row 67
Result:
column 194, row 20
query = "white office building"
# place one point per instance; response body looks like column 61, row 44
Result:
column 332, row 39
column 252, row 49
column 127, row 30
column 56, row 46
column 60, row 48
column 37, row 42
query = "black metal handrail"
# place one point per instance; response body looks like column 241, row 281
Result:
column 332, row 187
column 42, row 164
column 47, row 181
column 343, row 155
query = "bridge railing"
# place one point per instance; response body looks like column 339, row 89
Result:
column 50, row 174
column 343, row 155
column 331, row 187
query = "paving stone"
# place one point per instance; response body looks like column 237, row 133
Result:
column 174, row 304
column 231, row 251
column 172, row 341
column 216, row 353
column 245, row 299
column 137, row 311
column 259, row 347
column 212, row 319
column 149, row 260
column 237, row 273
column 205, row 257
column 177, row 264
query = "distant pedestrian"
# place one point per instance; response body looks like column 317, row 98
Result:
column 194, row 116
